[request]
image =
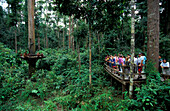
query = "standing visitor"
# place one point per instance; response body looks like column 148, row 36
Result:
column 116, row 58
column 160, row 61
column 140, row 64
column 165, row 67
column 110, row 61
column 120, row 63
column 113, row 62
column 144, row 61
column 106, row 58
column 124, row 60
column 135, row 63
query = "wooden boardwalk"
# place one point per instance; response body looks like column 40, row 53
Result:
column 123, row 77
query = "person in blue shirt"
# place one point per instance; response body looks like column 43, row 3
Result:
column 160, row 61
column 113, row 62
column 110, row 61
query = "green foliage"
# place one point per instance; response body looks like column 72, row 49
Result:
column 11, row 75
column 59, row 87
column 152, row 96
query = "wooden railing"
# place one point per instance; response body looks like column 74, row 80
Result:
column 122, row 74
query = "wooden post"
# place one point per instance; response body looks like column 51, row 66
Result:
column 123, row 90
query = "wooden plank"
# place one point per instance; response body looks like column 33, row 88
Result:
column 116, row 77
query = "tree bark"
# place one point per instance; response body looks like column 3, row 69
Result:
column 46, row 38
column 46, row 26
column 72, row 33
column 63, row 38
column 16, row 40
column 144, row 41
column 69, row 39
column 64, row 33
column 98, row 37
column 44, row 42
column 38, row 41
column 168, row 13
column 31, row 27
column 79, row 59
column 132, row 48
column 90, row 80
column 153, row 32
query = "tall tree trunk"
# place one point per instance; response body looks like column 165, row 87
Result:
column 38, row 41
column 63, row 38
column 31, row 27
column 168, row 13
column 69, row 39
column 31, row 36
column 44, row 42
column 98, row 37
column 72, row 33
column 16, row 41
column 86, row 37
column 144, row 41
column 58, row 38
column 90, row 79
column 46, row 38
column 153, row 32
column 86, row 42
column 46, row 22
column 63, row 33
column 79, row 59
column 132, row 48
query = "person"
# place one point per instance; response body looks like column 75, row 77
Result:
column 140, row 64
column 110, row 61
column 135, row 63
column 160, row 61
column 124, row 60
column 107, row 59
column 165, row 68
column 116, row 58
column 144, row 61
column 164, row 64
column 120, row 63
column 113, row 62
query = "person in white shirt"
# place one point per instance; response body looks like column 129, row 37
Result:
column 135, row 63
column 165, row 67
column 164, row 64
column 140, row 64
column 135, row 60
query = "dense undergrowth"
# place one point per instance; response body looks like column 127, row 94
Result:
column 57, row 85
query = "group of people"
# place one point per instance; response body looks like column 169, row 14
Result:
column 117, row 62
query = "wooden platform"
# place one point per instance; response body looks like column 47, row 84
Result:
column 124, row 77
